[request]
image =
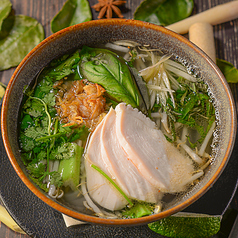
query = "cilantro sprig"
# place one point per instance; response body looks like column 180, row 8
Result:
column 42, row 137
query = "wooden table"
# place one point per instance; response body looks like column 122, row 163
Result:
column 226, row 41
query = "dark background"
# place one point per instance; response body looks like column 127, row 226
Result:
column 226, row 42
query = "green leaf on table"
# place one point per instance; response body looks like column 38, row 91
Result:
column 229, row 70
column 73, row 12
column 6, row 18
column 187, row 225
column 5, row 9
column 164, row 12
column 25, row 34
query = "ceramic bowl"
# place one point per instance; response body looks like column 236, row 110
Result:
column 101, row 31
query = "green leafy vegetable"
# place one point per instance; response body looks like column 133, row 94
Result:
column 42, row 137
column 229, row 71
column 140, row 209
column 70, row 168
column 6, row 18
column 61, row 68
column 187, row 225
column 193, row 108
column 25, row 34
column 163, row 12
column 109, row 70
column 5, row 9
column 73, row 12
column 63, row 151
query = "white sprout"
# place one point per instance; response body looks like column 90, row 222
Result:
column 177, row 71
column 190, row 152
column 197, row 175
column 158, row 208
column 126, row 43
column 164, row 121
column 206, row 140
column 117, row 47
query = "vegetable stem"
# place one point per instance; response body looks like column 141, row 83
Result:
column 112, row 182
column 50, row 136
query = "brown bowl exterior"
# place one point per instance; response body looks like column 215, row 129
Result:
column 102, row 31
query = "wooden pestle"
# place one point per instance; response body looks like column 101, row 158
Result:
column 201, row 34
column 216, row 15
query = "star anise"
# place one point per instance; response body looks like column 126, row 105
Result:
column 108, row 7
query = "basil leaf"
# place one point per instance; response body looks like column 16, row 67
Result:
column 109, row 70
column 25, row 34
column 163, row 12
column 229, row 71
column 73, row 12
column 6, row 18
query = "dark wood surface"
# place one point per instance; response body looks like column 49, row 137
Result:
column 226, row 41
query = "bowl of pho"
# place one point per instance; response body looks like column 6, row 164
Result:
column 118, row 122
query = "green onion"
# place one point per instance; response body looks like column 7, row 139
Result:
column 112, row 182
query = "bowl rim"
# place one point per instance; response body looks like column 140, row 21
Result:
column 99, row 220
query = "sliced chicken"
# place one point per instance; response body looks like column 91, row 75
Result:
column 120, row 167
column 129, row 148
column 150, row 152
column 144, row 145
column 182, row 169
column 100, row 190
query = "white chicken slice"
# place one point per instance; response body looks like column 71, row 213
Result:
column 152, row 154
column 129, row 148
column 120, row 167
column 99, row 188
column 143, row 145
